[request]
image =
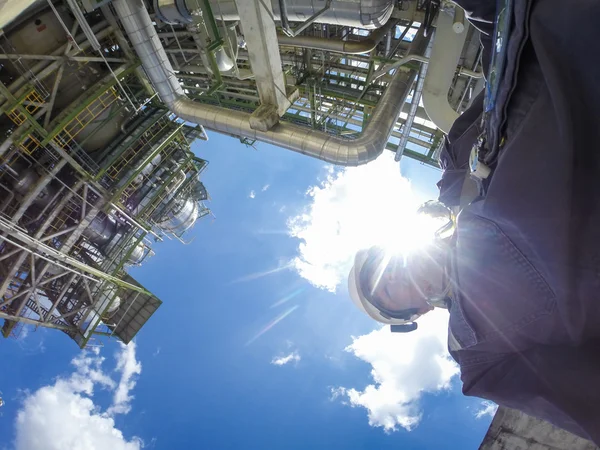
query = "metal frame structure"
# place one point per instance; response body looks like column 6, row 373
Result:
column 101, row 100
column 340, row 71
column 93, row 171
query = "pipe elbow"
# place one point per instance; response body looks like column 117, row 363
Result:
column 439, row 110
column 375, row 13
column 224, row 62
column 372, row 151
column 356, row 48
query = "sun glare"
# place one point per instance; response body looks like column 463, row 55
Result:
column 402, row 229
column 414, row 232
column 355, row 209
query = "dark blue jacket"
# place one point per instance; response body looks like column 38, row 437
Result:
column 525, row 313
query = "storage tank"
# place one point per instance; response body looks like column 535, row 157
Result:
column 27, row 181
column 104, row 128
column 101, row 230
column 38, row 34
column 180, row 217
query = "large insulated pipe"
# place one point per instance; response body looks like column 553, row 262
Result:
column 333, row 149
column 331, row 44
column 339, row 45
column 367, row 14
column 445, row 56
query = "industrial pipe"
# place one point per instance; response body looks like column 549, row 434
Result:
column 368, row 14
column 5, row 145
column 414, row 104
column 8, row 199
column 339, row 45
column 333, row 149
column 330, row 44
column 445, row 55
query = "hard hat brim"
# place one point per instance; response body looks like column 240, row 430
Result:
column 360, row 299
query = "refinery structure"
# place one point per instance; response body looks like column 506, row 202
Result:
column 101, row 101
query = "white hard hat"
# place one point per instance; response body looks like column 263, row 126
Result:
column 364, row 304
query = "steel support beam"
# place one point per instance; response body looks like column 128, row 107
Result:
column 57, row 81
column 416, row 98
column 56, row 326
column 61, row 58
column 256, row 19
column 42, row 69
column 32, row 245
column 62, row 293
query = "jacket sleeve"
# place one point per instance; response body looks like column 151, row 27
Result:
column 454, row 157
column 558, row 384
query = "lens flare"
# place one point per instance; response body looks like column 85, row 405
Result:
column 418, row 231
column 256, row 275
column 287, row 298
column 271, row 324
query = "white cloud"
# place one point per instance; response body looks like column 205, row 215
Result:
column 265, row 187
column 487, row 409
column 129, row 367
column 63, row 415
column 404, row 366
column 24, row 332
column 252, row 194
column 30, row 340
column 283, row 360
column 353, row 208
column 338, row 392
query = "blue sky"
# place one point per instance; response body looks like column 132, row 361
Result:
column 201, row 373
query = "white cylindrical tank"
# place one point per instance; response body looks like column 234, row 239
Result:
column 137, row 254
column 103, row 129
column 114, row 306
column 181, row 217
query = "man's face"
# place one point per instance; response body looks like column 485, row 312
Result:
column 399, row 285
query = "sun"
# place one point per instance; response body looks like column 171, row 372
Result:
column 405, row 230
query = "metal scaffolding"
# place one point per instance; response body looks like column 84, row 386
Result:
column 93, row 171
column 101, row 100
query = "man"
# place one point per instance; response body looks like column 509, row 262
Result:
column 521, row 274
